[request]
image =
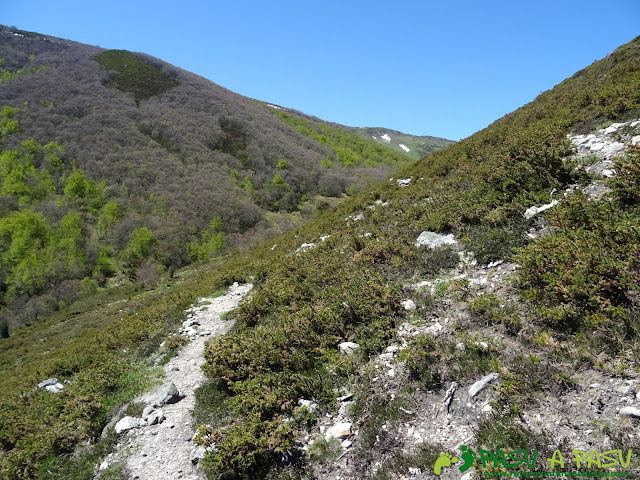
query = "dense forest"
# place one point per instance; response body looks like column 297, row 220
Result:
column 116, row 164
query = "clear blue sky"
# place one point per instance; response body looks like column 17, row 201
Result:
column 445, row 68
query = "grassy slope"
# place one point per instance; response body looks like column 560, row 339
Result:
column 346, row 288
column 419, row 145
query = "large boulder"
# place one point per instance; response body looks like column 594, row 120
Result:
column 163, row 395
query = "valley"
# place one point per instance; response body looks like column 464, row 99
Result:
column 404, row 314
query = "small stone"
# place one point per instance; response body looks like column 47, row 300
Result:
column 309, row 404
column 126, row 423
column 632, row 412
column 47, row 382
column 343, row 411
column 104, row 465
column 594, row 385
column 635, row 140
column 339, row 430
column 147, row 411
column 393, row 348
column 433, row 240
column 197, row 454
column 391, row 373
column 481, row 384
column 408, row 304
column 623, row 389
column 54, row 388
column 346, row 444
column 305, row 246
column 155, row 418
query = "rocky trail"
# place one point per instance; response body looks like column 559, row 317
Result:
column 160, row 444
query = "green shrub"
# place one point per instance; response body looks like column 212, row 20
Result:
column 423, row 357
column 626, row 184
column 323, row 451
column 435, row 260
column 135, row 75
column 491, row 243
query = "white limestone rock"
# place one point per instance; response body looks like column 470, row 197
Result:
column 481, row 384
column 433, row 239
column 127, row 423
column 348, row 347
column 340, row 430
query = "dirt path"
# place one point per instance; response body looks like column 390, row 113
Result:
column 164, row 451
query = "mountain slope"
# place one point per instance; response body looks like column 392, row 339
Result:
column 170, row 168
column 412, row 146
column 347, row 276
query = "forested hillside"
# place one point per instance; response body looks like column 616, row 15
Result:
column 119, row 165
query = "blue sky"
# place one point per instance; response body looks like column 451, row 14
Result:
column 445, row 68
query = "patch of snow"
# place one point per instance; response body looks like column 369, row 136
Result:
column 404, row 182
column 324, row 237
column 273, row 106
column 386, row 138
column 375, row 138
column 404, row 147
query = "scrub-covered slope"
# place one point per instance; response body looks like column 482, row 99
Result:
column 325, row 290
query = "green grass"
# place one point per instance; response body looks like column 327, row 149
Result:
column 419, row 146
column 134, row 75
column 348, row 149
